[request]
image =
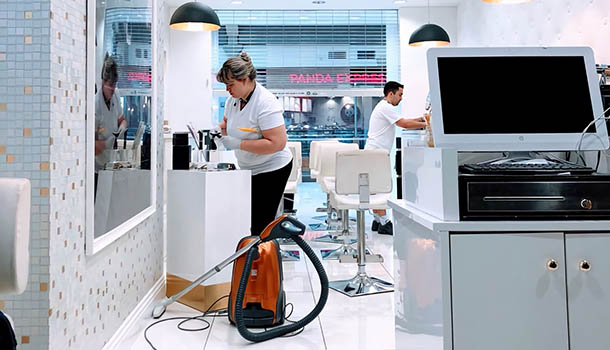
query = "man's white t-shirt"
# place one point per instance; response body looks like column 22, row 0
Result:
column 382, row 125
column 105, row 125
column 262, row 112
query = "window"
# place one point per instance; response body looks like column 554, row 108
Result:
column 345, row 49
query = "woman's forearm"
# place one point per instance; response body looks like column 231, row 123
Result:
column 263, row 146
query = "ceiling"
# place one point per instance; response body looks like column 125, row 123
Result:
column 309, row 5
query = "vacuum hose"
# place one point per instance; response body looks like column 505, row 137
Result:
column 278, row 331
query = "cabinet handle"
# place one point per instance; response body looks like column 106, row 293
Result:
column 584, row 266
column 552, row 265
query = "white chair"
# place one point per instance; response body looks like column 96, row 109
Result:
column 326, row 179
column 296, row 176
column 363, row 182
column 14, row 235
column 294, row 180
column 314, row 147
column 314, row 165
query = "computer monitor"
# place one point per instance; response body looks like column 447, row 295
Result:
column 515, row 99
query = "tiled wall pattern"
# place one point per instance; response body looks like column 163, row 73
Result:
column 24, row 150
column 72, row 301
column 89, row 296
column 538, row 23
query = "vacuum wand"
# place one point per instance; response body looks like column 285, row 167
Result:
column 161, row 306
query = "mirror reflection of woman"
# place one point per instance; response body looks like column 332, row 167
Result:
column 252, row 107
column 109, row 119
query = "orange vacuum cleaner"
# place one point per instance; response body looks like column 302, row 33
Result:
column 257, row 297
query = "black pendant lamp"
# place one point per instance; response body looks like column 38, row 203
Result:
column 193, row 17
column 429, row 34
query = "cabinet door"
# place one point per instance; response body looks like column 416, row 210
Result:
column 504, row 294
column 588, row 290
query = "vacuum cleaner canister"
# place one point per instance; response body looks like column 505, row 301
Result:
column 264, row 299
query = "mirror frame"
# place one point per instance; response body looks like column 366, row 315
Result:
column 92, row 244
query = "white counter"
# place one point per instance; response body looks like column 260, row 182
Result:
column 500, row 285
column 432, row 223
column 208, row 212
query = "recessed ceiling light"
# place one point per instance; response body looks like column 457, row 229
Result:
column 303, row 17
column 251, row 18
column 318, row 2
column 399, row 1
column 355, row 18
column 236, row 2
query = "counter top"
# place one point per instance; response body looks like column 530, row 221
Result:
column 435, row 224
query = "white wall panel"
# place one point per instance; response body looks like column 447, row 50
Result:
column 414, row 72
column 538, row 23
column 189, row 82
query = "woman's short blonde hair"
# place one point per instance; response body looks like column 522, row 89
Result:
column 109, row 69
column 237, row 68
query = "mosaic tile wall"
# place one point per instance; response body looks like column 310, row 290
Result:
column 538, row 23
column 89, row 296
column 24, row 150
column 72, row 301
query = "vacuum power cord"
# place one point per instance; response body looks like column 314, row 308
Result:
column 201, row 318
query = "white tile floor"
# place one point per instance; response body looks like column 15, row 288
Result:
column 365, row 322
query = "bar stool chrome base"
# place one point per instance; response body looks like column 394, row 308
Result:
column 362, row 284
column 332, row 238
column 337, row 253
column 338, row 238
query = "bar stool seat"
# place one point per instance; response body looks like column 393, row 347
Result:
column 341, row 202
column 291, row 187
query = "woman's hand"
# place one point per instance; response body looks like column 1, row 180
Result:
column 231, row 142
column 223, row 126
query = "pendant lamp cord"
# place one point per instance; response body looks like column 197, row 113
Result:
column 428, row 11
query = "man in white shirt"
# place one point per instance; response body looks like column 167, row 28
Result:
column 381, row 134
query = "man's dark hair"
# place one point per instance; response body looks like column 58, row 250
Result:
column 391, row 86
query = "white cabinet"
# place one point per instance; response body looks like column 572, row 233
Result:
column 509, row 291
column 501, row 285
column 503, row 295
column 588, row 277
column 208, row 212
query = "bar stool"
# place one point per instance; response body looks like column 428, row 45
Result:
column 295, row 177
column 363, row 182
column 326, row 179
column 291, row 188
column 314, row 166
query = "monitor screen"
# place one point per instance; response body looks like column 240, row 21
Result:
column 515, row 99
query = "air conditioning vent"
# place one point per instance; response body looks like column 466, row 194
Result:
column 366, row 54
column 337, row 55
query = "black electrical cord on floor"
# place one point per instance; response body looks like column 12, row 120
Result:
column 201, row 318
column 218, row 313
column 297, row 332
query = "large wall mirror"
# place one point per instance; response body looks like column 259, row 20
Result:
column 121, row 118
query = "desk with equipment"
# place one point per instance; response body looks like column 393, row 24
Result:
column 505, row 248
